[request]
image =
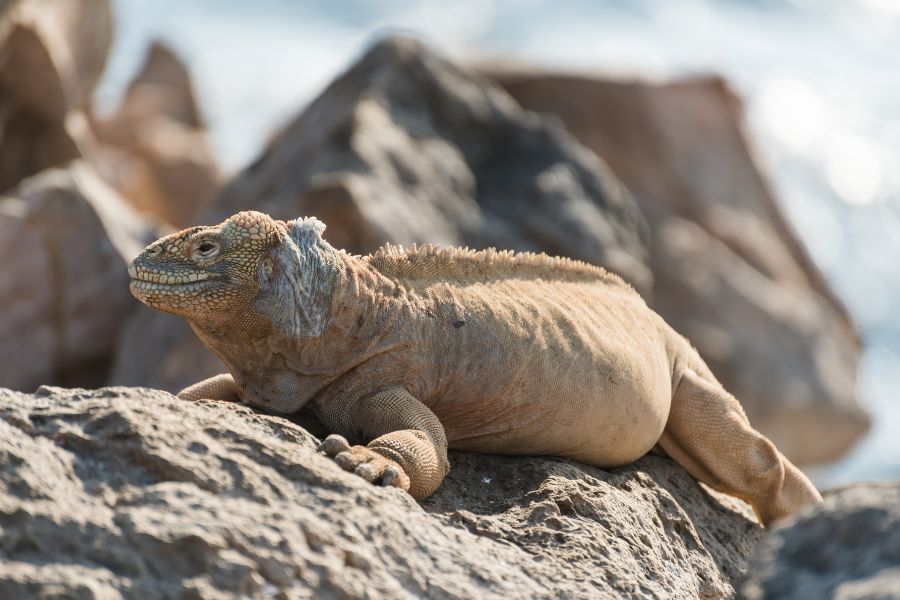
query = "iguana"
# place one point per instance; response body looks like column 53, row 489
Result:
column 412, row 351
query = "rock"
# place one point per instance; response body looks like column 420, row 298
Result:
column 154, row 149
column 729, row 271
column 407, row 147
column 51, row 56
column 67, row 239
column 162, row 87
column 159, row 349
column 75, row 37
column 846, row 548
column 133, row 492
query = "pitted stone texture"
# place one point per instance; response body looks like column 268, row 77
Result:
column 407, row 147
column 129, row 491
column 729, row 271
column 846, row 548
column 66, row 239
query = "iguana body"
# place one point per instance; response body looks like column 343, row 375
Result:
column 414, row 351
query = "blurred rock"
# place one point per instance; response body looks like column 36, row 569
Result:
column 407, row 147
column 159, row 350
column 132, row 492
column 154, row 149
column 729, row 271
column 846, row 548
column 67, row 239
column 52, row 54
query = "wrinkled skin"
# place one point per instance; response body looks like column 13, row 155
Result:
column 409, row 352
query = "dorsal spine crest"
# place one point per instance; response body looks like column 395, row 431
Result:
column 434, row 262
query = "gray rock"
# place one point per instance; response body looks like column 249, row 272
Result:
column 729, row 271
column 67, row 240
column 130, row 491
column 407, row 147
column 848, row 548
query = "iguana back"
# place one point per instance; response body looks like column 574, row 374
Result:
column 412, row 351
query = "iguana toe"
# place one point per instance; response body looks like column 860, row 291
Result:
column 391, row 474
column 368, row 464
column 334, row 444
column 367, row 472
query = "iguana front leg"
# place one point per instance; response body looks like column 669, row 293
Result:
column 217, row 387
column 408, row 447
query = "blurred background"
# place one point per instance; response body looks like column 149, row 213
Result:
column 820, row 118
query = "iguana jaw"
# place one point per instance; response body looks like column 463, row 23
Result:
column 139, row 275
column 185, row 293
column 146, row 289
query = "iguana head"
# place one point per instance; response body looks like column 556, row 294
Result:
column 249, row 269
column 204, row 271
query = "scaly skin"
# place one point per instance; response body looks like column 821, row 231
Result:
column 413, row 351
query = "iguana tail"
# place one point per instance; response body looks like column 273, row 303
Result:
column 709, row 434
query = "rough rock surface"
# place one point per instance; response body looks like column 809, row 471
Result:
column 154, row 149
column 406, row 147
column 67, row 239
column 729, row 272
column 131, row 491
column 51, row 56
column 847, row 548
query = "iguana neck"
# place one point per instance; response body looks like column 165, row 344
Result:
column 241, row 325
column 330, row 313
column 370, row 311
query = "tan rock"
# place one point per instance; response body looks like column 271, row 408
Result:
column 67, row 239
column 154, row 148
column 729, row 271
column 51, row 56
column 407, row 147
column 132, row 492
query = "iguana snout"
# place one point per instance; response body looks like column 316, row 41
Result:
column 203, row 271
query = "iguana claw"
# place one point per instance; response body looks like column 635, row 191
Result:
column 368, row 464
column 334, row 444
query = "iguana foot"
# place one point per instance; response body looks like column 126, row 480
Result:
column 368, row 464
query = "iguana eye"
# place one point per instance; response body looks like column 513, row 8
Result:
column 206, row 248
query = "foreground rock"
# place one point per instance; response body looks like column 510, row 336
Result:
column 51, row 57
column 729, row 271
column 66, row 239
column 154, row 149
column 406, row 147
column 847, row 548
column 133, row 492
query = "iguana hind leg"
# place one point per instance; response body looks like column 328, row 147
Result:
column 709, row 434
column 217, row 387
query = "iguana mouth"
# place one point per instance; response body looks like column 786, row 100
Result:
column 143, row 284
column 148, row 279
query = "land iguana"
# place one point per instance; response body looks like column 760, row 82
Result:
column 414, row 351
